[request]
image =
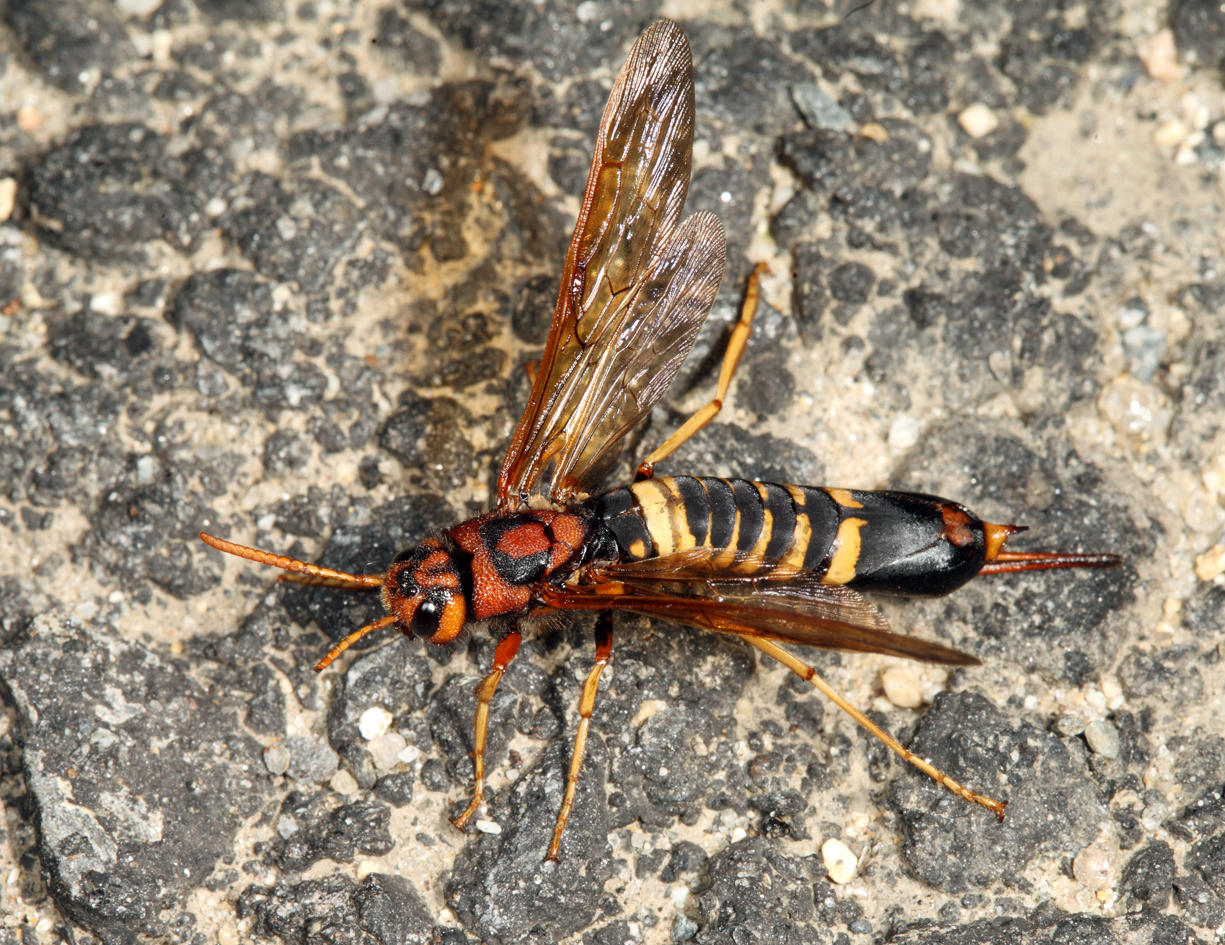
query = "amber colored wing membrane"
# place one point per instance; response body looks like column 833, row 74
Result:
column 635, row 288
column 788, row 606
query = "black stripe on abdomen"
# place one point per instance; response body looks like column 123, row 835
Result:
column 750, row 512
column 781, row 508
column 791, row 526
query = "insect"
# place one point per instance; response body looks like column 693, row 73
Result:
column 770, row 563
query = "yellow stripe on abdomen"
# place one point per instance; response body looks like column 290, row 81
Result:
column 801, row 534
column 765, row 525
column 845, row 553
column 656, row 502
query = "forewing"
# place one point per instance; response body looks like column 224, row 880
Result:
column 637, row 366
column 635, row 191
column 789, row 606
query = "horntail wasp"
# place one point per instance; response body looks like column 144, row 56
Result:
column 770, row 563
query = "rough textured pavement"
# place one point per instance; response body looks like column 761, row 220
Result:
column 273, row 269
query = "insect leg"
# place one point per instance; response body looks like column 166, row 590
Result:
column 603, row 653
column 502, row 656
column 804, row 671
column 731, row 359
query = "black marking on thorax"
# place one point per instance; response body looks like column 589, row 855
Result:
column 516, row 569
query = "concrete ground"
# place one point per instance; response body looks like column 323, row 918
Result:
column 272, row 270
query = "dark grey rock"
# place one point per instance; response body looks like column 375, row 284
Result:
column 67, row 38
column 404, row 44
column 1157, row 673
column 745, row 78
column 1051, row 805
column 94, row 344
column 320, row 826
column 770, row 387
column 849, row 169
column 818, row 109
column 422, row 434
column 686, row 857
column 1044, row 50
column 500, row 887
column 146, row 534
column 752, row 892
column 557, row 46
column 1051, row 926
column 381, row 910
column 1149, row 877
column 108, row 189
column 1200, row 905
column 125, row 831
column 297, row 234
column 253, row 10
column 1199, row 31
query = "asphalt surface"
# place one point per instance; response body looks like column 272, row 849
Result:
column 273, row 271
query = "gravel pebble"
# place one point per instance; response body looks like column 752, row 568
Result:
column 1134, row 408
column 1160, row 56
column 276, row 758
column 310, row 759
column 1093, row 867
column 902, row 687
column 1069, row 725
column 8, row 197
column 385, row 750
column 840, row 862
column 1103, row 738
column 374, row 722
column 978, row 120
column 343, row 783
column 819, row 110
column 683, row 928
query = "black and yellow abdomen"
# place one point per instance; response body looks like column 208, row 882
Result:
column 897, row 542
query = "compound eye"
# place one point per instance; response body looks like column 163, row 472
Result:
column 426, row 617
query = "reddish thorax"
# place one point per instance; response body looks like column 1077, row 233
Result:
column 511, row 551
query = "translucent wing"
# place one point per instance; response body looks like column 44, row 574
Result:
column 636, row 366
column 635, row 288
column 789, row 606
